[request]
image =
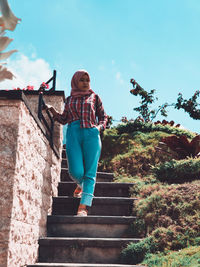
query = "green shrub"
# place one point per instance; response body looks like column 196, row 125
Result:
column 175, row 208
column 135, row 252
column 178, row 171
column 130, row 153
column 161, row 240
column 189, row 257
column 131, row 127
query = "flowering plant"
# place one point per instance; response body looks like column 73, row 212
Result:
column 28, row 88
column 44, row 85
column 42, row 88
column 124, row 119
column 170, row 123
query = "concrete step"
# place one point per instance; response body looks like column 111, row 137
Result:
column 90, row 226
column 82, row 250
column 81, row 265
column 101, row 176
column 105, row 206
column 101, row 189
column 64, row 163
column 64, row 154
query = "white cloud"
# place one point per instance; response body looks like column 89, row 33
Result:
column 134, row 65
column 101, row 68
column 118, row 77
column 27, row 72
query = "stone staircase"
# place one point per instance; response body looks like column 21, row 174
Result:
column 92, row 241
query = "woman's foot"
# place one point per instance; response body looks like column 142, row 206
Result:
column 82, row 210
column 78, row 191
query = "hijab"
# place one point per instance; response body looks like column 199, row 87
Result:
column 75, row 91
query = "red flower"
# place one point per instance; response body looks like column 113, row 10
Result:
column 30, row 87
column 44, row 85
column 124, row 119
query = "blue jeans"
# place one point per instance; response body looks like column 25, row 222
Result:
column 83, row 149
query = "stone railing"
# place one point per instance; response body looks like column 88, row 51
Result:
column 29, row 175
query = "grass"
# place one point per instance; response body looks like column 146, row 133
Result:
column 187, row 257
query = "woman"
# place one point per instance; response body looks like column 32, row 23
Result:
column 83, row 143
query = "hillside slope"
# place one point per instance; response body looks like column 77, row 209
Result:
column 168, row 213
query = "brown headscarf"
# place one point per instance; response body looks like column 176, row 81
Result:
column 75, row 91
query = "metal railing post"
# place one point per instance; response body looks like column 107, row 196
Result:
column 51, row 133
column 40, row 104
column 54, row 80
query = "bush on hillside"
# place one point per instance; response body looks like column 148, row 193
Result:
column 186, row 257
column 145, row 127
column 170, row 219
column 114, row 144
column 163, row 206
column 158, row 242
column 131, row 153
column 135, row 252
column 178, row 171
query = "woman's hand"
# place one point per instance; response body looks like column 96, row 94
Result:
column 98, row 127
column 46, row 107
column 51, row 109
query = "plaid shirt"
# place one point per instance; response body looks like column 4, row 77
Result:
column 85, row 109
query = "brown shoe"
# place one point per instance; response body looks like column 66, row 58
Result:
column 78, row 191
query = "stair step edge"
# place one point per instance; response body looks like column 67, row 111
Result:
column 90, row 219
column 99, row 198
column 81, row 265
column 106, row 173
column 87, row 241
column 101, row 183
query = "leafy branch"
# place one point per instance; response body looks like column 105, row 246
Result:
column 190, row 106
column 148, row 98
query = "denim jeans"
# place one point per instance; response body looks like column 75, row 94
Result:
column 83, row 149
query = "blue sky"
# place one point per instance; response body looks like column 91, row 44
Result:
column 156, row 42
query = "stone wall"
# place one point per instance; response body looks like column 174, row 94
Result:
column 9, row 120
column 29, row 175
